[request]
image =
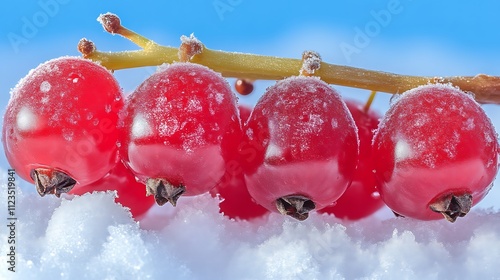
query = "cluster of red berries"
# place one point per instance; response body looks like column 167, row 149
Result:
column 68, row 128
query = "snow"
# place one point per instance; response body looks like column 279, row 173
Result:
column 91, row 237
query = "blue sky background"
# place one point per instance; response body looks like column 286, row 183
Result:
column 418, row 37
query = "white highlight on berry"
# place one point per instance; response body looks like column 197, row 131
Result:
column 45, row 86
column 273, row 152
column 402, row 150
column 140, row 127
column 26, row 120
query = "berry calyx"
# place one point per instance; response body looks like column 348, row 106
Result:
column 50, row 181
column 295, row 206
column 452, row 206
column 163, row 191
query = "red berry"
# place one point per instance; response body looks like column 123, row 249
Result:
column 243, row 86
column 301, row 147
column 180, row 127
column 361, row 198
column 436, row 152
column 60, row 124
column 245, row 112
column 236, row 201
column 131, row 193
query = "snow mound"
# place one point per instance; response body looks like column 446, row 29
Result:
column 91, row 237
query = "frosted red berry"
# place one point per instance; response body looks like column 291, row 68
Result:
column 300, row 147
column 179, row 128
column 236, row 202
column 436, row 153
column 60, row 125
column 361, row 198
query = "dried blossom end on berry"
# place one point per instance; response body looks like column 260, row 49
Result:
column 452, row 206
column 48, row 181
column 163, row 191
column 295, row 206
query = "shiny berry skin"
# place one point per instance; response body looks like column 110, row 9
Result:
column 301, row 147
column 436, row 152
column 245, row 112
column 236, row 202
column 243, row 86
column 180, row 127
column 361, row 199
column 62, row 118
column 130, row 193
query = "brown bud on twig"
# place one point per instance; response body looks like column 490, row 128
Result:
column 110, row 22
column 86, row 47
column 190, row 47
column 311, row 62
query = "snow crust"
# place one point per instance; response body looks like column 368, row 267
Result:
column 91, row 237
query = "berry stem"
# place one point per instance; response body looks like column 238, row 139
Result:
column 369, row 102
column 260, row 67
column 112, row 24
